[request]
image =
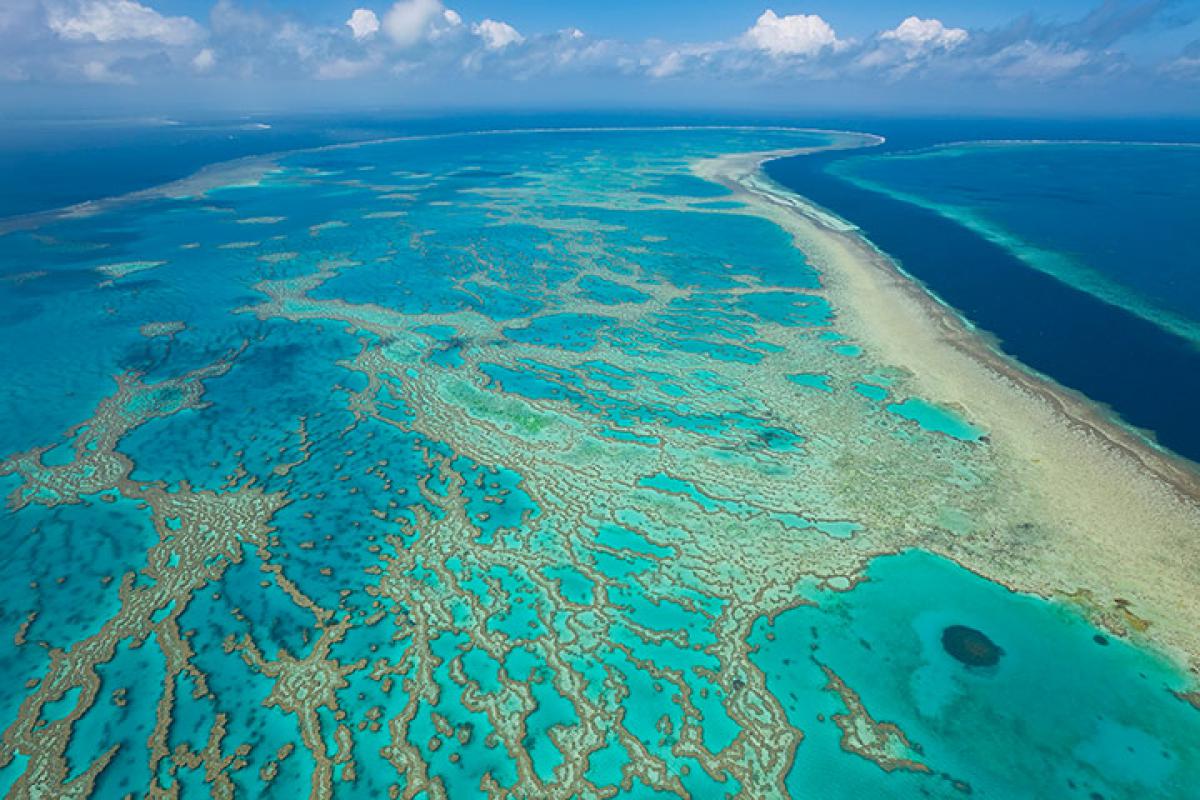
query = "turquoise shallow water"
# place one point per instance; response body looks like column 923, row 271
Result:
column 515, row 465
column 885, row 639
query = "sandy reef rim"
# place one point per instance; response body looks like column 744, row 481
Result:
column 1180, row 472
column 1127, row 509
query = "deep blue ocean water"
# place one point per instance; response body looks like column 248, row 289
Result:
column 1080, row 259
column 53, row 163
column 1112, row 220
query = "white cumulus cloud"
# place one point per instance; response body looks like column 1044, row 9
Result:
column 497, row 35
column 792, row 35
column 409, row 21
column 363, row 23
column 205, row 60
column 120, row 20
column 917, row 35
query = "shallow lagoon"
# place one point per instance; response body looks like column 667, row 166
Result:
column 505, row 491
column 886, row 641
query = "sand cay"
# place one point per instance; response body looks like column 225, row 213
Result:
column 1121, row 514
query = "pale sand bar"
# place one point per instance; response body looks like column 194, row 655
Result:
column 1125, row 514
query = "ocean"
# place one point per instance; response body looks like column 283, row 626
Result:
column 1076, row 257
column 542, row 463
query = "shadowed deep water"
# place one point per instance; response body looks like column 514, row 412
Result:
column 1078, row 257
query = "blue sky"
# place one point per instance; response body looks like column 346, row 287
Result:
column 1093, row 56
column 686, row 19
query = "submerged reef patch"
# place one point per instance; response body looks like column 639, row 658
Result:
column 970, row 646
column 561, row 483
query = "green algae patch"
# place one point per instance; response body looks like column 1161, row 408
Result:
column 501, row 410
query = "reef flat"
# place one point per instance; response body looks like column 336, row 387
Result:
column 1093, row 480
column 560, row 464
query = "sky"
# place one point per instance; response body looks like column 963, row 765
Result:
column 1113, row 57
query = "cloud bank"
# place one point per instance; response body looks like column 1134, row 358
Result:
column 133, row 42
column 110, row 21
